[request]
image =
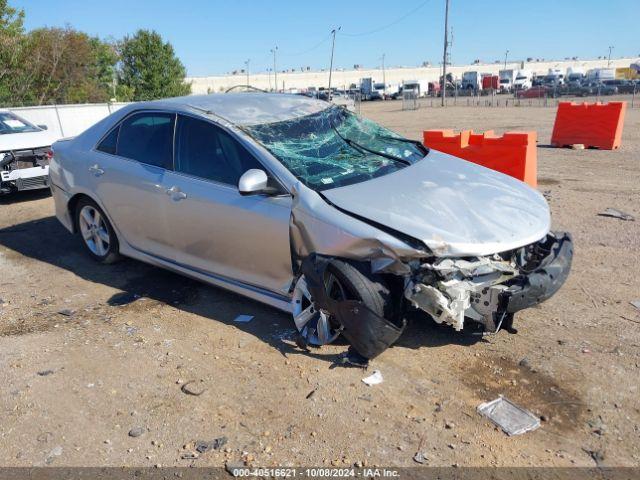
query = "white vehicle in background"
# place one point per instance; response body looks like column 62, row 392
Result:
column 601, row 74
column 507, row 79
column 472, row 81
column 386, row 91
column 419, row 88
column 574, row 74
column 25, row 152
column 522, row 80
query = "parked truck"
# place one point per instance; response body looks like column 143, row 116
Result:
column 418, row 87
column 472, row 81
column 507, row 78
column 522, row 80
column 601, row 74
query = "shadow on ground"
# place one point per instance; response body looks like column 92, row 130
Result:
column 26, row 196
column 46, row 240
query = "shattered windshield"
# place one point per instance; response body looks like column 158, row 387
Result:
column 10, row 123
column 335, row 148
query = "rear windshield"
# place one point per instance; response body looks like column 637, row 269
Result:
column 334, row 148
column 11, row 123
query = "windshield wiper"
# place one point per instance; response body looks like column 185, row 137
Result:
column 356, row 145
column 417, row 143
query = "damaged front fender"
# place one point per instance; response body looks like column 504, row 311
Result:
column 368, row 333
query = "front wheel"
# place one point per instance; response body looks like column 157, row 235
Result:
column 97, row 233
column 342, row 281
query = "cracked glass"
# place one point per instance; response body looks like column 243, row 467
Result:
column 335, row 148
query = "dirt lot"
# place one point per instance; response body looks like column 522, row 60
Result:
column 84, row 360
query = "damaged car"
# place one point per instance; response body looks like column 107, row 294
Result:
column 25, row 153
column 307, row 207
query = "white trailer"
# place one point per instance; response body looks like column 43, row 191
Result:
column 506, row 79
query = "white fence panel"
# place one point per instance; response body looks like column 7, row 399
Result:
column 67, row 120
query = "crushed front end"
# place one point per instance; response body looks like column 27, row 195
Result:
column 489, row 290
column 26, row 169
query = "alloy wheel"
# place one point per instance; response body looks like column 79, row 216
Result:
column 94, row 231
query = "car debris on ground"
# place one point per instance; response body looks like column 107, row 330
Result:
column 511, row 418
column 374, row 379
column 615, row 213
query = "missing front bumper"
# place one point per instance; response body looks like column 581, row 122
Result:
column 541, row 284
column 489, row 290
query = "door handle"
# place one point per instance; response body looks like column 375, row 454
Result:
column 96, row 170
column 176, row 194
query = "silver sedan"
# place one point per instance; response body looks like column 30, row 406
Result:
column 302, row 205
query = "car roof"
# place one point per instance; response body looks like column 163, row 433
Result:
column 245, row 108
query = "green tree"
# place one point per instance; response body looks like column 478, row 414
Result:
column 11, row 50
column 149, row 67
column 67, row 66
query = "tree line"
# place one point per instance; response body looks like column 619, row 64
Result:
column 63, row 65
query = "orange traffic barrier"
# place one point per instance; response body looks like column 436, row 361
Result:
column 595, row 125
column 514, row 153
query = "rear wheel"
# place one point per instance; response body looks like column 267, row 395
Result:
column 342, row 282
column 96, row 232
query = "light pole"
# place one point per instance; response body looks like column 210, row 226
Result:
column 444, row 56
column 275, row 69
column 247, row 62
column 384, row 77
column 609, row 60
column 506, row 55
column 333, row 46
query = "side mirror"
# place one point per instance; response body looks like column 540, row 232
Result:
column 43, row 127
column 253, row 181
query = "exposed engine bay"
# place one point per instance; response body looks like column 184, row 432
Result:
column 24, row 169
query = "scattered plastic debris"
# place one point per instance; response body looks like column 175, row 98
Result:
column 512, row 419
column 615, row 213
column 203, row 446
column 374, row 379
column 66, row 312
column 44, row 373
column 243, row 318
column 636, row 303
column 420, row 457
column 55, row 452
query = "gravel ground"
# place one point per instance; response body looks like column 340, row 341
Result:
column 95, row 360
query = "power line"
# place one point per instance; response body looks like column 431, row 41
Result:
column 384, row 27
column 317, row 45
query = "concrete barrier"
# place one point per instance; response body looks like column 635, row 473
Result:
column 513, row 153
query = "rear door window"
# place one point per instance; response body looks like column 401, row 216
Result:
column 148, row 138
column 206, row 151
column 110, row 143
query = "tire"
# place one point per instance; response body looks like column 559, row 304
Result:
column 343, row 282
column 96, row 233
column 358, row 287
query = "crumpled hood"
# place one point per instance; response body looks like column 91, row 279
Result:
column 26, row 140
column 455, row 207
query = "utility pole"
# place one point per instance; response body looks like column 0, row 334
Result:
column 247, row 67
column 609, row 60
column 506, row 55
column 384, row 77
column 444, row 56
column 275, row 69
column 333, row 46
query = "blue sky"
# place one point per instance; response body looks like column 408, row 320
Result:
column 217, row 36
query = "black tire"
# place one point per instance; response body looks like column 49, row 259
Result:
column 358, row 287
column 112, row 252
